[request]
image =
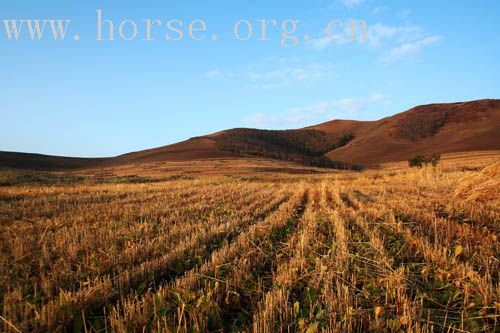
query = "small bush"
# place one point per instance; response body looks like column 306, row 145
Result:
column 421, row 160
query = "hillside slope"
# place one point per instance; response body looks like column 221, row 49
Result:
column 47, row 162
column 435, row 128
column 427, row 129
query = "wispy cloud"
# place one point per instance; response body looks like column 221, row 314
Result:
column 410, row 49
column 391, row 42
column 379, row 10
column 286, row 73
column 278, row 72
column 315, row 113
column 405, row 13
column 262, row 120
column 400, row 42
column 341, row 32
column 375, row 97
column 379, row 33
column 351, row 3
column 321, row 43
column 212, row 74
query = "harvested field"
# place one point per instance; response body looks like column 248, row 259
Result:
column 381, row 250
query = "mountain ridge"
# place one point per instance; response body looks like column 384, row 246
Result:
column 424, row 129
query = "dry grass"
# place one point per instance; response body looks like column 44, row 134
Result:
column 483, row 187
column 385, row 250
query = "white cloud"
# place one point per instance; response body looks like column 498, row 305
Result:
column 351, row 3
column 278, row 72
column 379, row 10
column 378, row 34
column 315, row 113
column 400, row 42
column 289, row 71
column 405, row 13
column 340, row 33
column 392, row 42
column 375, row 97
column 321, row 43
column 410, row 49
column 215, row 73
column 262, row 120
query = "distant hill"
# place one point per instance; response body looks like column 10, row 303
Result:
column 427, row 129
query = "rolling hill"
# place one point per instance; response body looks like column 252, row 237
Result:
column 427, row 129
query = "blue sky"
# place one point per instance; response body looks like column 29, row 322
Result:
column 102, row 98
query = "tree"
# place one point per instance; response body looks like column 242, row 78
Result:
column 435, row 159
column 421, row 160
column 417, row 161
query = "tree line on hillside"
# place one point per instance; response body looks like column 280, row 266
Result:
column 419, row 126
column 306, row 147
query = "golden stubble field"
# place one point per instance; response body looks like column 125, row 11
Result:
column 382, row 250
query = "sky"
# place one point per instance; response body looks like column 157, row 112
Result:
column 85, row 97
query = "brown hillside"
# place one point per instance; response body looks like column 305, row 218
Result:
column 436, row 128
column 46, row 162
column 192, row 149
column 427, row 129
